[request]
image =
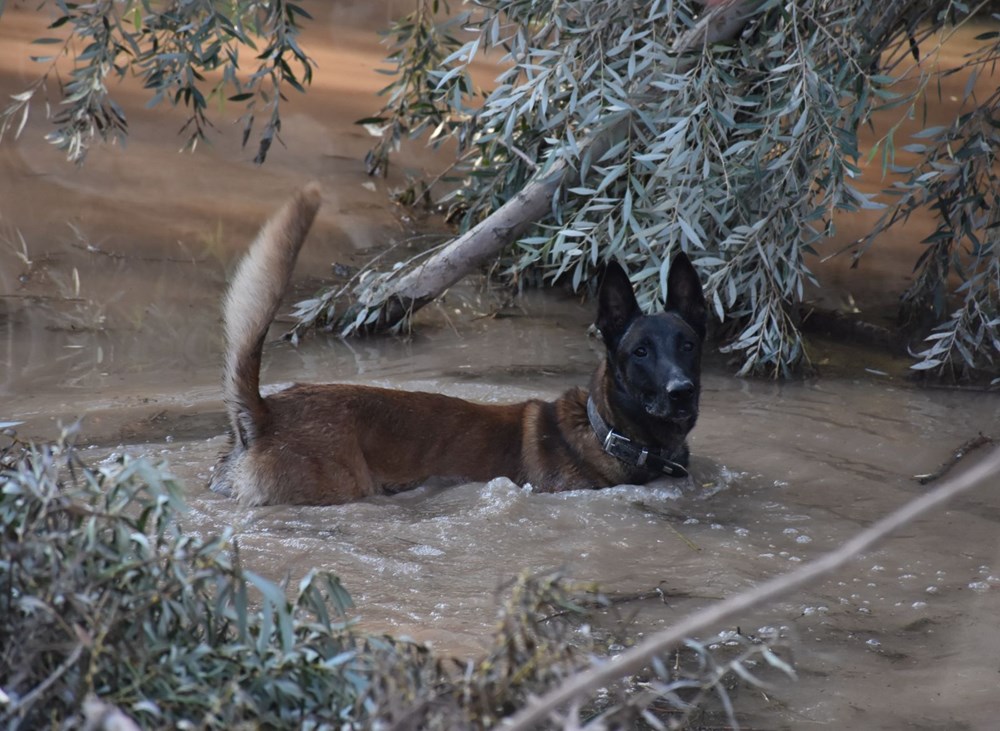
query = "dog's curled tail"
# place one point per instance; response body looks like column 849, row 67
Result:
column 252, row 302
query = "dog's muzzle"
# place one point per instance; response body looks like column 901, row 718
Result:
column 677, row 402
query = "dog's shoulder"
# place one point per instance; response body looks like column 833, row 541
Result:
column 560, row 451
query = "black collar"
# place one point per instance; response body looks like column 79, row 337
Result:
column 629, row 452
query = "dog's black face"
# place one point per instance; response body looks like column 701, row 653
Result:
column 655, row 360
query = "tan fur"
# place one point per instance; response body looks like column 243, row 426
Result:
column 324, row 444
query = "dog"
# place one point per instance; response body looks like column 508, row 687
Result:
column 330, row 444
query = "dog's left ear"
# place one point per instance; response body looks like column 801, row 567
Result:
column 685, row 295
column 616, row 305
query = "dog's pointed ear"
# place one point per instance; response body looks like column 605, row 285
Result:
column 616, row 305
column 685, row 295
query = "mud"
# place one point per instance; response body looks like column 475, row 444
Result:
column 109, row 313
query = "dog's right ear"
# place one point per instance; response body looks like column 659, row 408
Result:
column 685, row 294
column 616, row 304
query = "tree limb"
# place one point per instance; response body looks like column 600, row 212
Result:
column 639, row 656
column 397, row 299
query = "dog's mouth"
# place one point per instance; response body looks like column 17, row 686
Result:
column 682, row 415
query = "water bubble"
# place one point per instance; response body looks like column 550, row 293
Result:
column 919, row 605
column 790, row 531
column 873, row 645
column 932, row 589
column 803, row 539
column 979, row 586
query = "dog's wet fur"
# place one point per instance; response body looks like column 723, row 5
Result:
column 328, row 444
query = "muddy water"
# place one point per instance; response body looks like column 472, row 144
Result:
column 109, row 312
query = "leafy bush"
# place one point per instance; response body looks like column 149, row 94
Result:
column 957, row 178
column 103, row 595
column 175, row 51
column 738, row 153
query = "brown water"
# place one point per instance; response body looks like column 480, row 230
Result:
column 906, row 637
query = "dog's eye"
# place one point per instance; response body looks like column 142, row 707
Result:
column 687, row 346
column 640, row 352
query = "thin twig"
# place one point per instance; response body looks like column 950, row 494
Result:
column 638, row 657
column 981, row 440
column 41, row 297
column 23, row 704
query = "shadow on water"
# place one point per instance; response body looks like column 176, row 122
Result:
column 115, row 318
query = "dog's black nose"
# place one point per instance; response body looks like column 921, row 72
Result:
column 680, row 390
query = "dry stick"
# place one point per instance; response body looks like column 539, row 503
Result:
column 22, row 705
column 638, row 657
column 398, row 299
column 975, row 443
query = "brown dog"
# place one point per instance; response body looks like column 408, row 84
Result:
column 323, row 444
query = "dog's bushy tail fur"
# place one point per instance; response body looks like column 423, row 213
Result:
column 252, row 302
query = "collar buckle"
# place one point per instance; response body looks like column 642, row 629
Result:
column 613, row 441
